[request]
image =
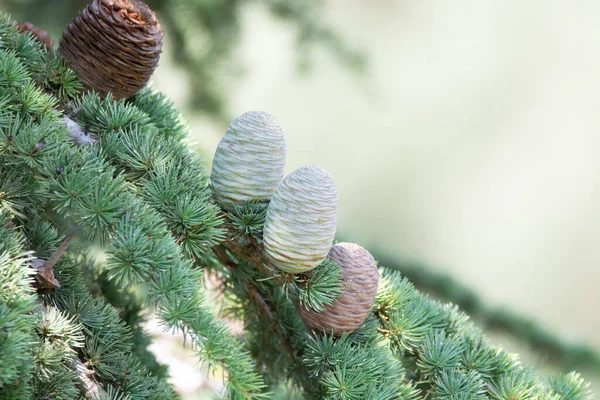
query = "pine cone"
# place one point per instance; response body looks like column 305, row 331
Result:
column 114, row 46
column 40, row 35
column 301, row 220
column 360, row 277
column 249, row 161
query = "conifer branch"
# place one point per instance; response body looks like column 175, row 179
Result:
column 253, row 254
column 260, row 301
column 53, row 259
column 77, row 133
column 565, row 354
column 87, row 384
column 141, row 194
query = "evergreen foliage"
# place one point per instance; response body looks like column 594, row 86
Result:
column 203, row 35
column 140, row 199
column 320, row 286
column 247, row 221
column 60, row 184
column 555, row 349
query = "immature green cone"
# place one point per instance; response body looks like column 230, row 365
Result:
column 114, row 46
column 301, row 220
column 249, row 161
column 360, row 277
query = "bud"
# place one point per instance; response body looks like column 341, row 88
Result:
column 360, row 277
column 301, row 220
column 249, row 161
column 113, row 46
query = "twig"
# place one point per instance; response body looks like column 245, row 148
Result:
column 253, row 292
column 44, row 275
column 53, row 259
column 254, row 255
column 77, row 133
column 88, row 386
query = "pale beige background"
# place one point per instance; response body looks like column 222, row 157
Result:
column 472, row 144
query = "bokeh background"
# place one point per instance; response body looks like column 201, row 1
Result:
column 469, row 140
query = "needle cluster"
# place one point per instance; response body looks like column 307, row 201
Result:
column 138, row 203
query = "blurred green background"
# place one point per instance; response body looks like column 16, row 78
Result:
column 469, row 141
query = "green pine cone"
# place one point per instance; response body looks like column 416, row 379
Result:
column 301, row 220
column 249, row 161
column 351, row 309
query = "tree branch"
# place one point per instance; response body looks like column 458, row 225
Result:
column 90, row 389
column 53, row 259
column 87, row 384
column 253, row 254
column 253, row 293
column 77, row 133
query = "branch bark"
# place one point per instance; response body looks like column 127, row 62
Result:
column 77, row 133
column 53, row 259
column 254, row 254
column 258, row 298
column 85, row 380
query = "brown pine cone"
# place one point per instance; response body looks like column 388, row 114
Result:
column 114, row 46
column 360, row 277
column 38, row 34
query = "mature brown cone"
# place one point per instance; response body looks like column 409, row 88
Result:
column 38, row 34
column 114, row 46
column 360, row 277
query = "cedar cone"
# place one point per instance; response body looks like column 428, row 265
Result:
column 113, row 46
column 359, row 276
column 249, row 161
column 40, row 35
column 301, row 220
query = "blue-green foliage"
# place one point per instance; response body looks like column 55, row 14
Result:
column 354, row 370
column 48, row 183
column 140, row 197
column 449, row 358
column 555, row 349
column 320, row 287
column 16, row 321
column 569, row 387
